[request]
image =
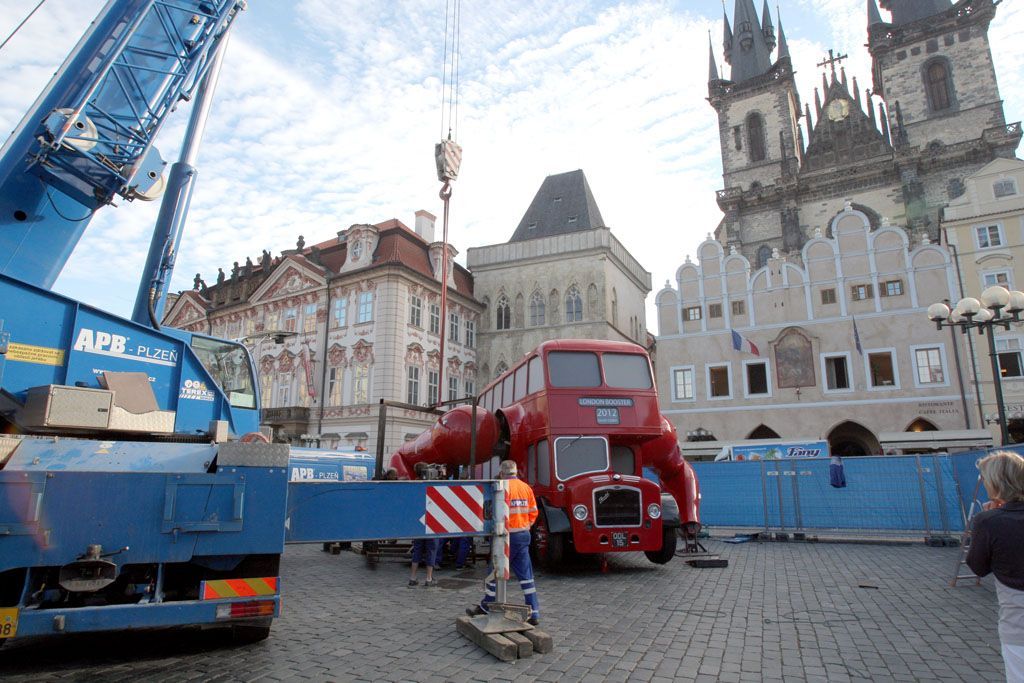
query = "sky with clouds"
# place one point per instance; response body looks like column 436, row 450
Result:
column 328, row 110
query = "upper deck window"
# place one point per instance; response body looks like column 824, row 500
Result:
column 627, row 371
column 573, row 369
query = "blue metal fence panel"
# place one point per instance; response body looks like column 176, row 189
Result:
column 731, row 493
column 928, row 493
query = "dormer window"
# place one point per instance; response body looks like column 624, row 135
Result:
column 532, row 226
column 357, row 250
column 572, row 220
column 558, row 200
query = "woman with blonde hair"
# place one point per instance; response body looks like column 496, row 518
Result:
column 997, row 547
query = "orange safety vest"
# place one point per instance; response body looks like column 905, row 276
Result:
column 522, row 506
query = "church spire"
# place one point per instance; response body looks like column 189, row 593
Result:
column 726, row 36
column 873, row 16
column 712, row 66
column 767, row 30
column 783, row 45
column 751, row 55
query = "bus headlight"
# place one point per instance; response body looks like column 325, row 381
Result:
column 654, row 511
column 580, row 512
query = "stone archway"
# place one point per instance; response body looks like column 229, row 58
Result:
column 849, row 438
column 763, row 432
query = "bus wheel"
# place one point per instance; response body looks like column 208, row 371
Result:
column 548, row 549
column 668, row 547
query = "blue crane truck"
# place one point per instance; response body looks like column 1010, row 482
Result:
column 135, row 489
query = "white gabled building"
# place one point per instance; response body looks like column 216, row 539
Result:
column 805, row 318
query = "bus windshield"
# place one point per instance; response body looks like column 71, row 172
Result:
column 575, row 455
column 228, row 365
column 626, row 371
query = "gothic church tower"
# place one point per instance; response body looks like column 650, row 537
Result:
column 939, row 118
column 758, row 122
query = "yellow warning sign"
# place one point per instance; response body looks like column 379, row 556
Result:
column 42, row 355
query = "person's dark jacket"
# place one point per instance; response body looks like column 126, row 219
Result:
column 997, row 545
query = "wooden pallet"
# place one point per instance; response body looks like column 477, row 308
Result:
column 507, row 646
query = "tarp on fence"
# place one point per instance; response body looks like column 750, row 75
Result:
column 887, row 494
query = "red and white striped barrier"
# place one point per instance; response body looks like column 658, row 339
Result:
column 454, row 509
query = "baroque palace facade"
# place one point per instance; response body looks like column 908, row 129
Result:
column 337, row 326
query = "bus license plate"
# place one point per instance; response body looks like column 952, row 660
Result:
column 607, row 416
column 620, row 539
column 8, row 622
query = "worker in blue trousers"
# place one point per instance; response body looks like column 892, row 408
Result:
column 522, row 513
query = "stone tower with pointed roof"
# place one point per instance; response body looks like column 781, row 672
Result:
column 562, row 275
column 899, row 150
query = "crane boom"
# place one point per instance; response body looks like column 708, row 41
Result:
column 88, row 138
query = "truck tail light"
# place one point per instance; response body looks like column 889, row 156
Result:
column 246, row 610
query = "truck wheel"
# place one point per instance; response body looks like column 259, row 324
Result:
column 548, row 549
column 668, row 547
column 245, row 634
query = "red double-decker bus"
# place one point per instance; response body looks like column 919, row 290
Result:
column 580, row 418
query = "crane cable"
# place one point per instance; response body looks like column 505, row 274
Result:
column 18, row 27
column 447, row 156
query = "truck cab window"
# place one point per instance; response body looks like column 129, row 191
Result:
column 228, row 365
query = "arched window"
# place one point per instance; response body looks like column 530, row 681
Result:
column 573, row 305
column 536, row 309
column 938, row 85
column 763, row 254
column 501, row 369
column 503, row 314
column 755, row 137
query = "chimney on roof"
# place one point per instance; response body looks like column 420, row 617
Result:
column 425, row 225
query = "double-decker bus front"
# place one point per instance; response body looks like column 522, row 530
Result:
column 576, row 427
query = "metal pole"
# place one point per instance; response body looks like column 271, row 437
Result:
column 170, row 223
column 959, row 374
column 764, row 495
column 778, row 486
column 499, row 542
column 924, row 502
column 940, row 490
column 382, row 423
column 472, row 438
column 997, row 382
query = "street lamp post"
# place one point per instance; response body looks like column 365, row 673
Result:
column 998, row 308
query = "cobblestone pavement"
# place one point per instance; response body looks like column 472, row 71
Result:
column 780, row 611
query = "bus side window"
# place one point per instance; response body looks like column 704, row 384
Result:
column 520, row 382
column 531, row 464
column 536, row 382
column 543, row 464
column 506, row 391
column 623, row 461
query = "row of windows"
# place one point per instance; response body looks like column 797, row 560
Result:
column 412, row 387
column 828, row 296
column 538, row 310
column 880, row 371
column 454, row 322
